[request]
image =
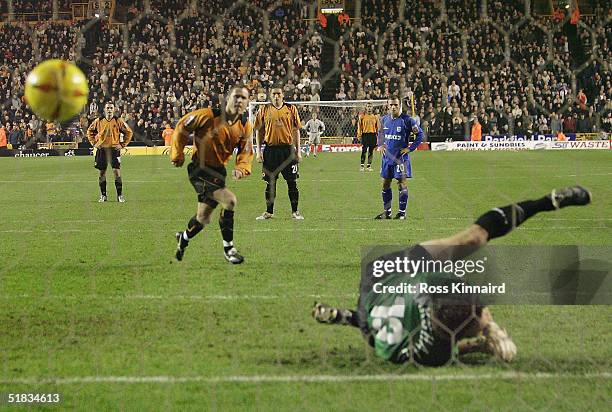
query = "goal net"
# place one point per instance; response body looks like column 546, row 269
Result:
column 340, row 117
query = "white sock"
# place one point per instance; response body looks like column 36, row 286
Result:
column 228, row 244
column 185, row 235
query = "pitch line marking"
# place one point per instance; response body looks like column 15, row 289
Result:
column 326, row 180
column 179, row 297
column 364, row 229
column 461, row 218
column 297, row 378
column 295, row 229
column 419, row 219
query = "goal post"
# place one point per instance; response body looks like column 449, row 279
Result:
column 339, row 117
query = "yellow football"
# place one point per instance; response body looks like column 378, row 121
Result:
column 56, row 90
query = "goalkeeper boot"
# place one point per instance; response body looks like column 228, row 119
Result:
column 297, row 216
column 181, row 246
column 120, row 199
column 570, row 196
column 102, row 199
column 232, row 256
column 498, row 343
column 323, row 313
column 400, row 216
column 361, row 168
column 384, row 215
column 370, row 168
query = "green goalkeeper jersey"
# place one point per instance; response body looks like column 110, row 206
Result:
column 400, row 321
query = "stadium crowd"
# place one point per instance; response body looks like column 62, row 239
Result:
column 175, row 58
column 456, row 71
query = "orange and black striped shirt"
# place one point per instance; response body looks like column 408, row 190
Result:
column 279, row 123
column 216, row 138
column 106, row 133
column 368, row 123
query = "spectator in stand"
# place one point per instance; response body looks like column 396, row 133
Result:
column 556, row 126
column 139, row 130
column 485, row 124
column 447, row 122
column 458, row 129
column 454, row 92
column 93, row 109
column 584, row 125
column 569, row 123
column 15, row 136
column 51, row 131
column 581, row 98
column 606, row 123
column 28, row 135
column 519, row 128
column 3, row 139
column 543, row 125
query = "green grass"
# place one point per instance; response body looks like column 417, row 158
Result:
column 91, row 290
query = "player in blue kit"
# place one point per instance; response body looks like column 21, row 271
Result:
column 394, row 139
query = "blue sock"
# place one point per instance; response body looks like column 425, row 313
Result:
column 403, row 200
column 387, row 196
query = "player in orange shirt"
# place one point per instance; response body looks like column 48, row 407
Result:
column 278, row 126
column 109, row 134
column 216, row 133
column 367, row 130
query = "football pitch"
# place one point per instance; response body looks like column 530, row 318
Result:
column 93, row 305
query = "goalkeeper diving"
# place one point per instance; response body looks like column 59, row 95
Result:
column 432, row 329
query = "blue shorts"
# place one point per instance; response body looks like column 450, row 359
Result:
column 398, row 168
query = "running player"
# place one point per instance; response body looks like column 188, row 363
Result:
column 217, row 133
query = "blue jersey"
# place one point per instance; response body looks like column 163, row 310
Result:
column 395, row 133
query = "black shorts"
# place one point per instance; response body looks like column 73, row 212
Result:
column 369, row 140
column 280, row 159
column 103, row 154
column 206, row 180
